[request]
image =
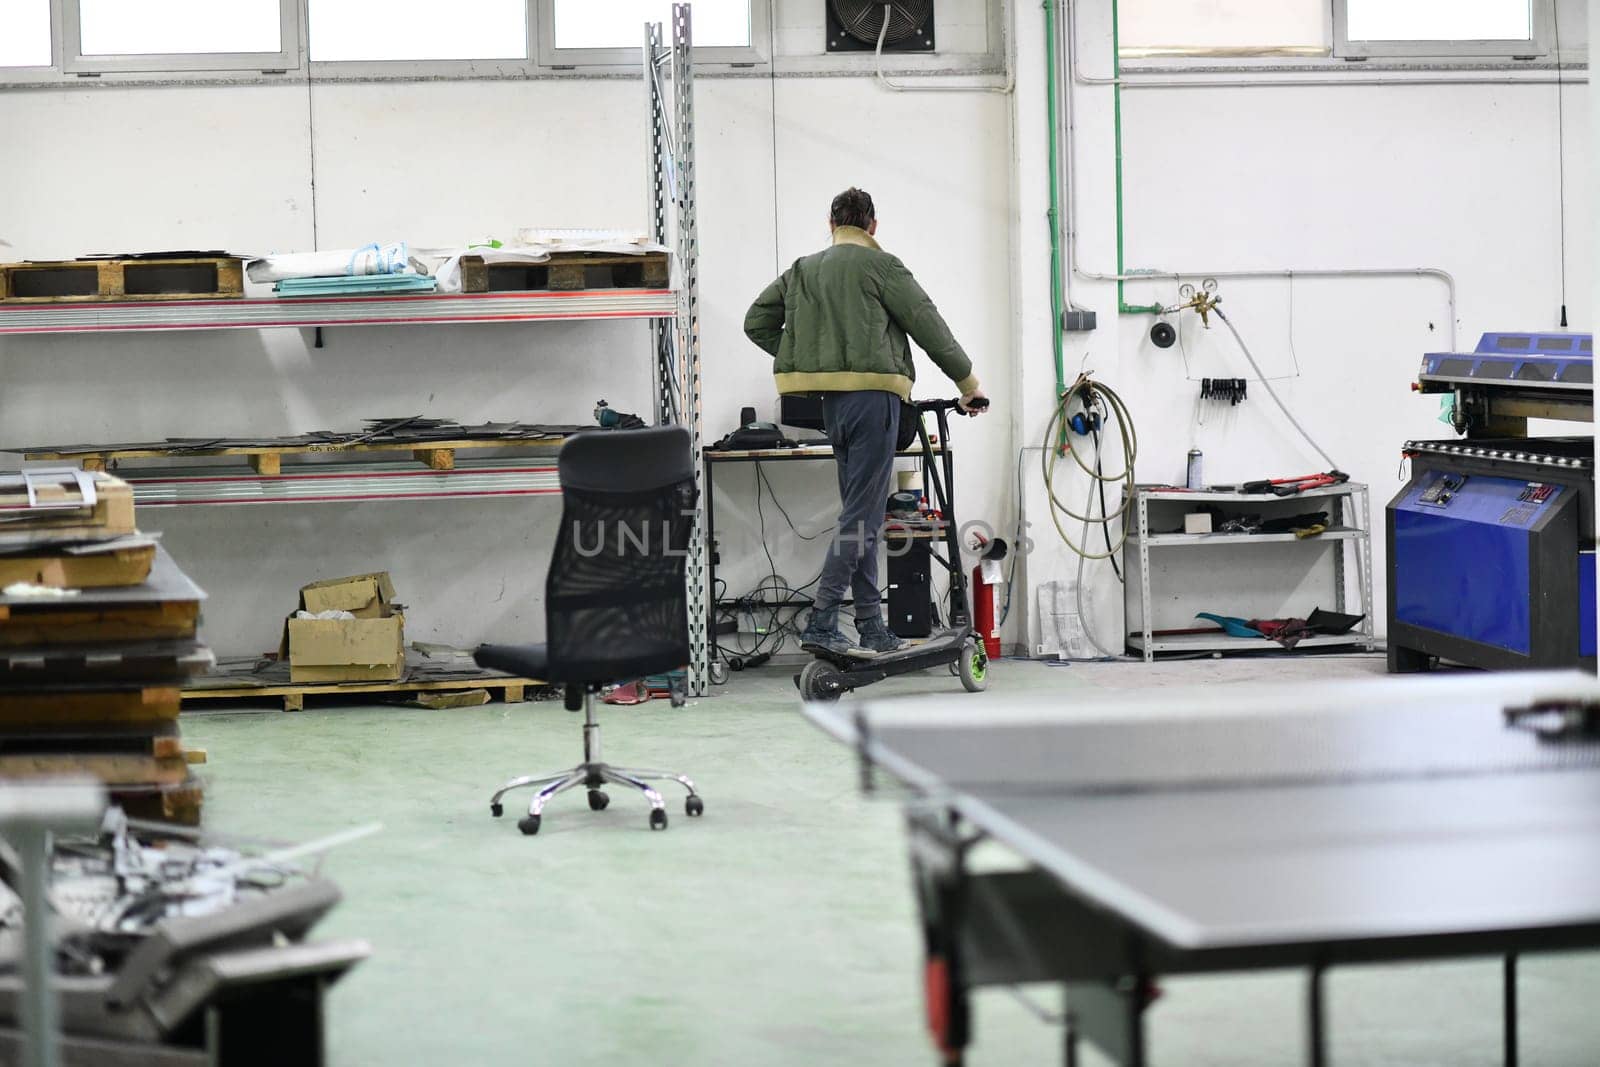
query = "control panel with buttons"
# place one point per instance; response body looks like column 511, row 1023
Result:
column 1441, row 492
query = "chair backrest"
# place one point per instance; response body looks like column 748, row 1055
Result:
column 615, row 606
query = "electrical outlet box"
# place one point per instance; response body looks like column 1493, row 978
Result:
column 1077, row 320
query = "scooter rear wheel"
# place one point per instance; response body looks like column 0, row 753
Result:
column 973, row 667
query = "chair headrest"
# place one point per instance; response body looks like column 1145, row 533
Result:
column 627, row 460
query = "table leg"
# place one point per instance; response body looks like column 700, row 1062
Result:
column 1316, row 1048
column 1111, row 1016
column 1510, row 1010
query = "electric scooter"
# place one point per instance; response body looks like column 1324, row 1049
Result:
column 830, row 675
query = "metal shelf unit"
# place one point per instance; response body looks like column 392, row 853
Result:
column 1152, row 559
column 1337, row 533
column 397, row 310
column 675, row 335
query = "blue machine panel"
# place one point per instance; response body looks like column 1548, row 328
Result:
column 1461, row 547
column 1542, row 343
column 1557, row 358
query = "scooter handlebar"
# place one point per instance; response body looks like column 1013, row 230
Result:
column 979, row 403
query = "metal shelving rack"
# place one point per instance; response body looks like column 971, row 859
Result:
column 675, row 344
column 1350, row 525
column 678, row 346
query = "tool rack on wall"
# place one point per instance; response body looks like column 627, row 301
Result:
column 675, row 345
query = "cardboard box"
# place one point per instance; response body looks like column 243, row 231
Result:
column 1197, row 522
column 368, row 648
column 366, row 596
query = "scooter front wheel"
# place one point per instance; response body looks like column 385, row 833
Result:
column 973, row 667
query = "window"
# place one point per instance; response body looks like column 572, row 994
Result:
column 611, row 32
column 1440, row 28
column 24, row 33
column 1222, row 27
column 587, row 24
column 375, row 30
column 171, row 35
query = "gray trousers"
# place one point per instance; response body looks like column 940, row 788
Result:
column 862, row 428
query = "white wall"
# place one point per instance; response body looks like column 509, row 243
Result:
column 113, row 168
column 1458, row 177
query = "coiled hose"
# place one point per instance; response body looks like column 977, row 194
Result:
column 1092, row 395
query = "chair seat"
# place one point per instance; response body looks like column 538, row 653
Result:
column 526, row 661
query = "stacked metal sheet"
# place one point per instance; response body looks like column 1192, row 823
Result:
column 90, row 676
column 410, row 431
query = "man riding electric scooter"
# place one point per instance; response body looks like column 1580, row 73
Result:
column 837, row 323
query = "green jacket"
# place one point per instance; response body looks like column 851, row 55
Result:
column 837, row 321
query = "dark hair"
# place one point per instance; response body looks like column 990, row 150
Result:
column 853, row 207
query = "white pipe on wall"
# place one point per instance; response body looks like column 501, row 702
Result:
column 1069, row 27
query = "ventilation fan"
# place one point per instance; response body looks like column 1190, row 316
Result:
column 854, row 25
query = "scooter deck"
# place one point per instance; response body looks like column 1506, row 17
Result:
column 942, row 647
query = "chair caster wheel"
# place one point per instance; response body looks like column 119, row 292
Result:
column 528, row 824
column 496, row 810
column 694, row 806
column 598, row 800
column 658, row 819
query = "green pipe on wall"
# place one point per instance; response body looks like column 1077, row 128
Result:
column 1057, row 341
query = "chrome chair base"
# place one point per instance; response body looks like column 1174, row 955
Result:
column 594, row 776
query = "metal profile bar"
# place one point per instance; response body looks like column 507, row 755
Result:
column 688, row 328
column 340, row 483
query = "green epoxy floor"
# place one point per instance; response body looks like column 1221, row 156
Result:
column 777, row 930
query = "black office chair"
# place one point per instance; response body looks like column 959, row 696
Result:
column 615, row 606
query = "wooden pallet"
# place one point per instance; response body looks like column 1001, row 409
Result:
column 112, row 770
column 94, row 570
column 79, row 281
column 510, row 690
column 176, row 802
column 79, row 707
column 64, row 622
column 568, row 272
column 60, row 515
column 268, row 460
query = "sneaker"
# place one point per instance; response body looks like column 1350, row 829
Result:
column 832, row 642
column 877, row 636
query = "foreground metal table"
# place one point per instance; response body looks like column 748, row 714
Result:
column 1236, row 828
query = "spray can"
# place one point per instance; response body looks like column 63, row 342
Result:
column 1196, row 479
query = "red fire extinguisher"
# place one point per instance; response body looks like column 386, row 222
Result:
column 986, row 594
